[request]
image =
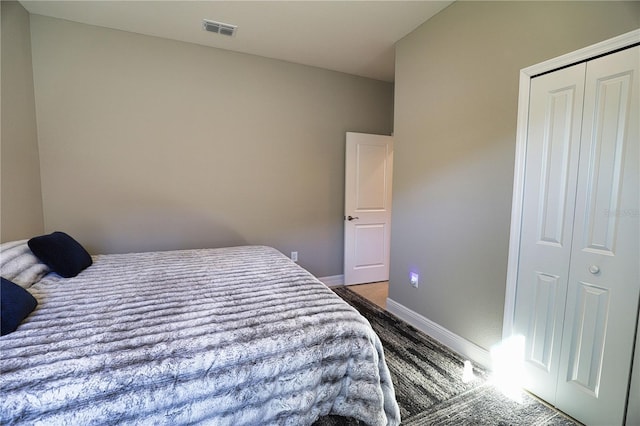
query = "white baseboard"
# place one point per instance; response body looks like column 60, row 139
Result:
column 333, row 280
column 458, row 344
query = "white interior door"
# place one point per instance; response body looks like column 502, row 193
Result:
column 553, row 147
column 368, row 174
column 604, row 278
column 578, row 282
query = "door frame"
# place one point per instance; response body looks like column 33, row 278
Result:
column 526, row 74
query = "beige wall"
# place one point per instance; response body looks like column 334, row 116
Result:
column 21, row 199
column 152, row 144
column 455, row 125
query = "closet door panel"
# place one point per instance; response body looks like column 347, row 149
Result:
column 604, row 277
column 607, row 132
column 548, row 209
column 587, row 344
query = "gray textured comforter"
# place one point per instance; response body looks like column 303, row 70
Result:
column 222, row 336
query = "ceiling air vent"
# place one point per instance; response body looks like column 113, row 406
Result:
column 219, row 27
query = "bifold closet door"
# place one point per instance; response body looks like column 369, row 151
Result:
column 553, row 148
column 578, row 282
column 604, row 276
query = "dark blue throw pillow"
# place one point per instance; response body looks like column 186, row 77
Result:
column 64, row 255
column 16, row 304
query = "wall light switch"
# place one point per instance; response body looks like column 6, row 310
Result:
column 294, row 256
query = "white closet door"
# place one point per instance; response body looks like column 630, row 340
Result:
column 553, row 145
column 604, row 278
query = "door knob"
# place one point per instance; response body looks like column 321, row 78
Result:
column 594, row 269
column 350, row 218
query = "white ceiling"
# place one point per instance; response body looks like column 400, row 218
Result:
column 355, row 37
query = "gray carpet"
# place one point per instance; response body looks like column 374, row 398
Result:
column 428, row 380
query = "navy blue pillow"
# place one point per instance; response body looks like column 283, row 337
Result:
column 64, row 255
column 16, row 304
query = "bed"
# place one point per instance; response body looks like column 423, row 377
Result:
column 229, row 336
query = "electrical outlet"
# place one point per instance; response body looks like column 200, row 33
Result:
column 294, row 256
column 413, row 279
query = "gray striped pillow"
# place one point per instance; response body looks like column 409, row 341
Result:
column 19, row 265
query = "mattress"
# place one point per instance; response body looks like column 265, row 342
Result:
column 231, row 336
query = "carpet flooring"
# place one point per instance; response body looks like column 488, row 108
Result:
column 427, row 377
